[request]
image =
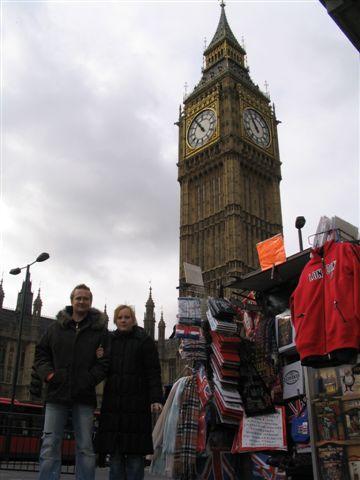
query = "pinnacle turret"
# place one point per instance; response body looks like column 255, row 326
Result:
column 150, row 301
column 2, row 294
column 161, row 329
column 149, row 317
column 37, row 305
column 106, row 315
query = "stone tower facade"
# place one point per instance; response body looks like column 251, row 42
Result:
column 229, row 166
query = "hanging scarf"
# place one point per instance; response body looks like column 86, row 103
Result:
column 187, row 433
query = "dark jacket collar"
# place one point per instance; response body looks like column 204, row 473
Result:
column 136, row 331
column 95, row 318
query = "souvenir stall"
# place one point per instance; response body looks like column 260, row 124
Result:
column 318, row 340
column 247, row 408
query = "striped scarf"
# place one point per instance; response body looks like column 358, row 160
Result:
column 187, row 432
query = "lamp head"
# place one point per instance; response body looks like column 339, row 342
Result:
column 42, row 257
column 300, row 222
column 15, row 271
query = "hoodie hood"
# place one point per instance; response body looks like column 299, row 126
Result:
column 96, row 318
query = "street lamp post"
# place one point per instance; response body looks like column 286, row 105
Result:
column 299, row 223
column 15, row 271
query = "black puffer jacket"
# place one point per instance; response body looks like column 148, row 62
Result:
column 70, row 353
column 134, row 382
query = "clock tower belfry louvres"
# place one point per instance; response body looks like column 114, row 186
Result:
column 229, row 166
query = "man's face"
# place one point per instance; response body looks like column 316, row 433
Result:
column 81, row 301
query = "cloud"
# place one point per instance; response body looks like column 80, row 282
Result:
column 91, row 94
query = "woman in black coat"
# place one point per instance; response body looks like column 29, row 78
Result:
column 132, row 391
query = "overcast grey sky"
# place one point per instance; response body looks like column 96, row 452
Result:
column 90, row 94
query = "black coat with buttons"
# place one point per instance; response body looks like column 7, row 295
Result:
column 69, row 351
column 133, row 384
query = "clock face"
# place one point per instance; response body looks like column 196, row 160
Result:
column 256, row 127
column 201, row 128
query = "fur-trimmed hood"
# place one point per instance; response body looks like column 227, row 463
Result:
column 96, row 318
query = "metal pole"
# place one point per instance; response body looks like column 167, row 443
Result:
column 18, row 350
column 300, row 240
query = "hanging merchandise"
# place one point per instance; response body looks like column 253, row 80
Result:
column 325, row 306
column 267, row 358
column 189, row 310
column 285, row 332
column 261, row 469
column 332, row 462
column 293, row 380
column 221, row 309
column 219, row 465
column 187, row 433
column 203, row 386
column 271, row 252
column 300, row 430
column 193, row 350
column 264, row 432
column 255, row 394
column 298, row 421
column 187, row 331
column 164, row 432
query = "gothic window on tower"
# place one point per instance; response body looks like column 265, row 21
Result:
column 220, row 203
column 198, row 203
column 213, row 194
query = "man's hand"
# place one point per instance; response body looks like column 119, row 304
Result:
column 156, row 407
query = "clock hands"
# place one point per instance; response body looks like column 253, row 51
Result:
column 199, row 125
column 254, row 123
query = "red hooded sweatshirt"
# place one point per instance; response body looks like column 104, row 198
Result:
column 325, row 306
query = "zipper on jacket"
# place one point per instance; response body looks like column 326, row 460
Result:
column 336, row 305
column 323, row 293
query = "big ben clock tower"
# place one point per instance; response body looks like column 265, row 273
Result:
column 229, row 166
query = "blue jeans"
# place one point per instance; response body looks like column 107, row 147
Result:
column 50, row 453
column 126, row 467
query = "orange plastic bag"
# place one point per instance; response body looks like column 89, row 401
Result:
column 271, row 251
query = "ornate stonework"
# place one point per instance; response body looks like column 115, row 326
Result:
column 229, row 166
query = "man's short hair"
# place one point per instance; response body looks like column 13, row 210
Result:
column 82, row 286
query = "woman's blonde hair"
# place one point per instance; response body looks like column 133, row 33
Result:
column 131, row 310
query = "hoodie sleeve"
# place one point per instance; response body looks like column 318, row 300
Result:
column 99, row 370
column 152, row 370
column 43, row 356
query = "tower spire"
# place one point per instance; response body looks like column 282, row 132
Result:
column 106, row 315
column 149, row 316
column 28, row 299
column 223, row 33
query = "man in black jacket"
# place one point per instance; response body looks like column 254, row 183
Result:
column 66, row 361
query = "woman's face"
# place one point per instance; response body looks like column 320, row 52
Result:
column 124, row 321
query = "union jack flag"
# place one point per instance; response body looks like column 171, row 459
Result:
column 262, row 470
column 203, row 386
column 218, row 466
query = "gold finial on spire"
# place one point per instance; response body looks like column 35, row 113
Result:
column 222, row 4
column 185, row 90
column 267, row 93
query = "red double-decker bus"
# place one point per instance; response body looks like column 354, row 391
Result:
column 21, row 429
